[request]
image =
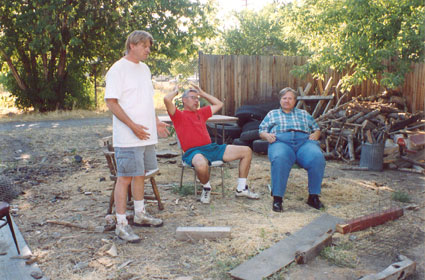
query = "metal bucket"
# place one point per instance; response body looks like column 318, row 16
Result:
column 372, row 156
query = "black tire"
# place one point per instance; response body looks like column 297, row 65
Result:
column 247, row 113
column 251, row 125
column 250, row 135
column 231, row 131
column 260, row 146
column 240, row 142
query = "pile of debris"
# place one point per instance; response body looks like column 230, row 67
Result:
column 375, row 119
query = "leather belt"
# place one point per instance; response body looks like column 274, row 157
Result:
column 295, row 130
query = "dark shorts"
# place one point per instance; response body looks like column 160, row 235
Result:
column 211, row 152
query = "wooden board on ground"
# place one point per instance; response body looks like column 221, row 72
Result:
column 197, row 233
column 399, row 270
column 371, row 220
column 283, row 253
column 12, row 265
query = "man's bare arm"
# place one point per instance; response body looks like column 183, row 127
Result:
column 216, row 104
column 168, row 101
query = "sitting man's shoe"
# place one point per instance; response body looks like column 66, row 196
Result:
column 206, row 196
column 247, row 193
column 125, row 232
column 143, row 219
column 314, row 201
column 277, row 204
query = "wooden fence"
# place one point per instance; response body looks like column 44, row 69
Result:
column 239, row 80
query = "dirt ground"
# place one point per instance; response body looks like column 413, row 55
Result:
column 40, row 160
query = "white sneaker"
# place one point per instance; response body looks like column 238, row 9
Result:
column 247, row 193
column 125, row 232
column 143, row 219
column 206, row 196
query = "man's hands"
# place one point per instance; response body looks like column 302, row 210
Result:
column 315, row 135
column 269, row 137
column 161, row 128
column 140, row 131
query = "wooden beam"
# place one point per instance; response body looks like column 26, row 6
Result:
column 371, row 220
column 282, row 253
column 399, row 270
column 197, row 233
column 306, row 253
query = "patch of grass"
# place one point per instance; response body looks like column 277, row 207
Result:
column 400, row 196
column 223, row 267
column 341, row 255
column 185, row 190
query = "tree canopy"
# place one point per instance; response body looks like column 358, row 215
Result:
column 363, row 36
column 48, row 48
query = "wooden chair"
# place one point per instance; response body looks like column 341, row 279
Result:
column 5, row 217
column 112, row 164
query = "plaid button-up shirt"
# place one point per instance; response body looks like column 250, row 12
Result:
column 278, row 121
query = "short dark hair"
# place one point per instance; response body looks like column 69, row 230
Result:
column 282, row 92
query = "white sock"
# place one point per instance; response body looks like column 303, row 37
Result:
column 241, row 184
column 139, row 206
column 207, row 185
column 121, row 219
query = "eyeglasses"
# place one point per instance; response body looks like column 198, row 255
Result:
column 193, row 97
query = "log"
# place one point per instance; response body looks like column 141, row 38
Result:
column 308, row 252
column 371, row 220
column 399, row 270
column 369, row 115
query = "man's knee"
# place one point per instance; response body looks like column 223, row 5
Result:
column 199, row 162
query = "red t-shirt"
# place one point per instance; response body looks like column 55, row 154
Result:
column 191, row 128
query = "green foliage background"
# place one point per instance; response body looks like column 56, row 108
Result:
column 52, row 51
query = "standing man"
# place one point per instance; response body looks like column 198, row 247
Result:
column 190, row 125
column 293, row 134
column 129, row 96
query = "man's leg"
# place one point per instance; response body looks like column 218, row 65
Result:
column 241, row 153
column 200, row 163
column 244, row 155
column 123, row 230
column 311, row 158
column 281, row 157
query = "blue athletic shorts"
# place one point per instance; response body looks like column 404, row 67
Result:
column 211, row 152
column 134, row 161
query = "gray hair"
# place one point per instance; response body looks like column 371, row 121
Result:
column 285, row 90
column 136, row 37
column 186, row 92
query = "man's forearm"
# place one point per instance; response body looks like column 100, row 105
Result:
column 118, row 112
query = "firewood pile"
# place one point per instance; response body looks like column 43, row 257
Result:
column 375, row 119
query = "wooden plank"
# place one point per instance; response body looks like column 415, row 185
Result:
column 399, row 270
column 371, row 220
column 197, row 233
column 12, row 265
column 315, row 97
column 306, row 253
column 282, row 253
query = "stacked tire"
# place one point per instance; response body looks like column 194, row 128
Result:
column 249, row 119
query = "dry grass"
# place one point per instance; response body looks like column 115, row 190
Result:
column 8, row 111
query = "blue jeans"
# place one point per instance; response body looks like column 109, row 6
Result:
column 295, row 147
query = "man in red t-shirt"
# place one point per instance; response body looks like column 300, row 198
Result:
column 199, row 152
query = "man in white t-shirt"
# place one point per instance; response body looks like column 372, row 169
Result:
column 129, row 95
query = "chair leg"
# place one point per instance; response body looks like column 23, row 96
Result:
column 156, row 192
column 194, row 182
column 181, row 177
column 111, row 200
column 222, row 182
column 9, row 221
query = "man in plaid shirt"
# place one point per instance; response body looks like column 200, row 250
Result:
column 293, row 137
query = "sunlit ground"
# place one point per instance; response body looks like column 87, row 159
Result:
column 8, row 111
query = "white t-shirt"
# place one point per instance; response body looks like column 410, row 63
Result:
column 130, row 83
